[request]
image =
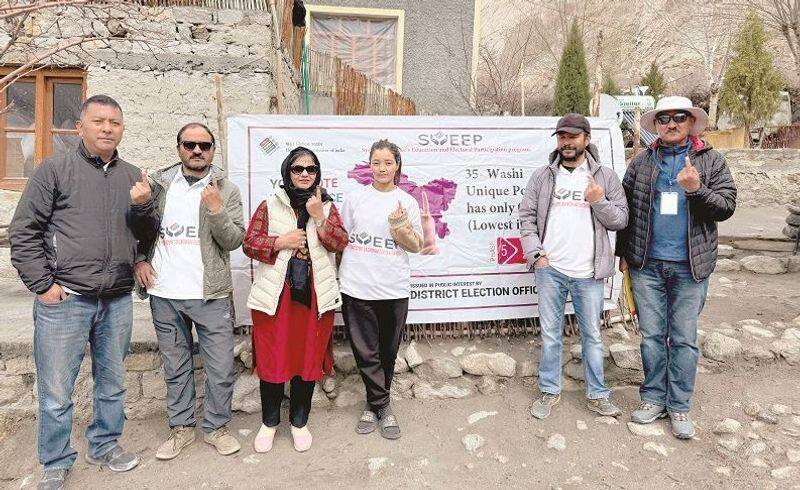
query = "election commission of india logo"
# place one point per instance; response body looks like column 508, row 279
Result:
column 268, row 145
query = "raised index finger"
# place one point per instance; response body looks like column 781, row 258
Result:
column 144, row 177
column 214, row 181
column 688, row 161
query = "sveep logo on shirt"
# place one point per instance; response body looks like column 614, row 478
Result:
column 365, row 238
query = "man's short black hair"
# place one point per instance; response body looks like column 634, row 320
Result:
column 196, row 125
column 101, row 100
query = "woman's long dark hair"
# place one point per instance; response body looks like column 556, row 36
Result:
column 385, row 144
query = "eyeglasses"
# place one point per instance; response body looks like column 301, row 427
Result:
column 678, row 117
column 298, row 169
column 191, row 145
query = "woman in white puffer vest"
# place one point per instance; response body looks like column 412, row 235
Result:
column 294, row 235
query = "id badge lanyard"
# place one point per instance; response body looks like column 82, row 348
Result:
column 669, row 199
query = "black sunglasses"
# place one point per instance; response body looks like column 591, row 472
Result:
column 191, row 145
column 298, row 169
column 678, row 117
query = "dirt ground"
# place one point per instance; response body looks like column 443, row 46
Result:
column 516, row 453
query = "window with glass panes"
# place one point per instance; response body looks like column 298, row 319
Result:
column 37, row 119
column 367, row 44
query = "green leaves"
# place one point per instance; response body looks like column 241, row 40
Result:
column 655, row 82
column 751, row 87
column 572, row 83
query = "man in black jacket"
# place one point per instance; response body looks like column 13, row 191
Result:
column 677, row 191
column 73, row 241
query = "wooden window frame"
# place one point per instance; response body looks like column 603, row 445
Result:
column 44, row 79
column 366, row 13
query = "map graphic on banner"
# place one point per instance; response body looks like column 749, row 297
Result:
column 467, row 174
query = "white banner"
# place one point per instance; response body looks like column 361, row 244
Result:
column 472, row 170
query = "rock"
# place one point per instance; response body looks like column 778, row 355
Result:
column 618, row 331
column 319, row 398
column 455, row 388
column 791, row 335
column 729, row 442
column 348, row 398
column 145, row 408
column 241, row 346
column 375, row 465
column 723, row 470
column 759, row 332
column 457, row 351
column 727, row 426
column 645, row 430
column 778, row 409
column 752, row 408
column 478, row 416
column 472, row 442
column 440, row 368
column 757, row 352
column 143, row 361
column 762, row 264
column 557, row 442
column 482, row 364
column 20, row 365
column 606, row 420
column 247, row 358
column 246, row 394
column 755, row 448
column 757, row 462
column 501, row 459
column 767, row 417
column 581, row 425
column 344, row 361
column 574, row 370
column 402, row 385
column 488, row 385
column 656, row 448
column 726, row 251
column 412, row 355
column 400, row 365
column 793, row 263
column 727, row 265
column 576, row 351
column 793, row 455
column 789, row 350
column 245, row 432
column 626, row 356
column 153, row 385
column 526, row 369
column 783, row 473
column 328, row 384
column 720, row 347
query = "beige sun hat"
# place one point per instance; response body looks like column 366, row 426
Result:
column 675, row 103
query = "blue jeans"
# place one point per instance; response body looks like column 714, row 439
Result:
column 61, row 332
column 587, row 297
column 669, row 301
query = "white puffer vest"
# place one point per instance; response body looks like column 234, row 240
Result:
column 270, row 279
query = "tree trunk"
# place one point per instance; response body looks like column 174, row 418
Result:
column 713, row 102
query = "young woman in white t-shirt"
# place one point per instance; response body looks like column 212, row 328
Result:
column 383, row 223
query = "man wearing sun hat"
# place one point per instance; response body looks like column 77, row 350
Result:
column 677, row 190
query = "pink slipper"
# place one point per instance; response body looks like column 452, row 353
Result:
column 264, row 438
column 302, row 439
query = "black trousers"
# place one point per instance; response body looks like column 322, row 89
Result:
column 300, row 393
column 375, row 328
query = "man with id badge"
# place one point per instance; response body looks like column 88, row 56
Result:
column 677, row 191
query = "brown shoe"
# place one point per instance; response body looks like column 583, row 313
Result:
column 223, row 441
column 179, row 438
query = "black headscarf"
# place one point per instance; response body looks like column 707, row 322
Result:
column 298, row 271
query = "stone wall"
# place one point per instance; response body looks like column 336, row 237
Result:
column 765, row 177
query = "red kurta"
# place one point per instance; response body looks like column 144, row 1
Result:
column 294, row 342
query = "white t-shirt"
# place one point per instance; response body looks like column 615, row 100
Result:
column 569, row 241
column 177, row 259
column 373, row 266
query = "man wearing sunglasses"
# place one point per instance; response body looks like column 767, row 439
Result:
column 677, row 190
column 187, row 275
